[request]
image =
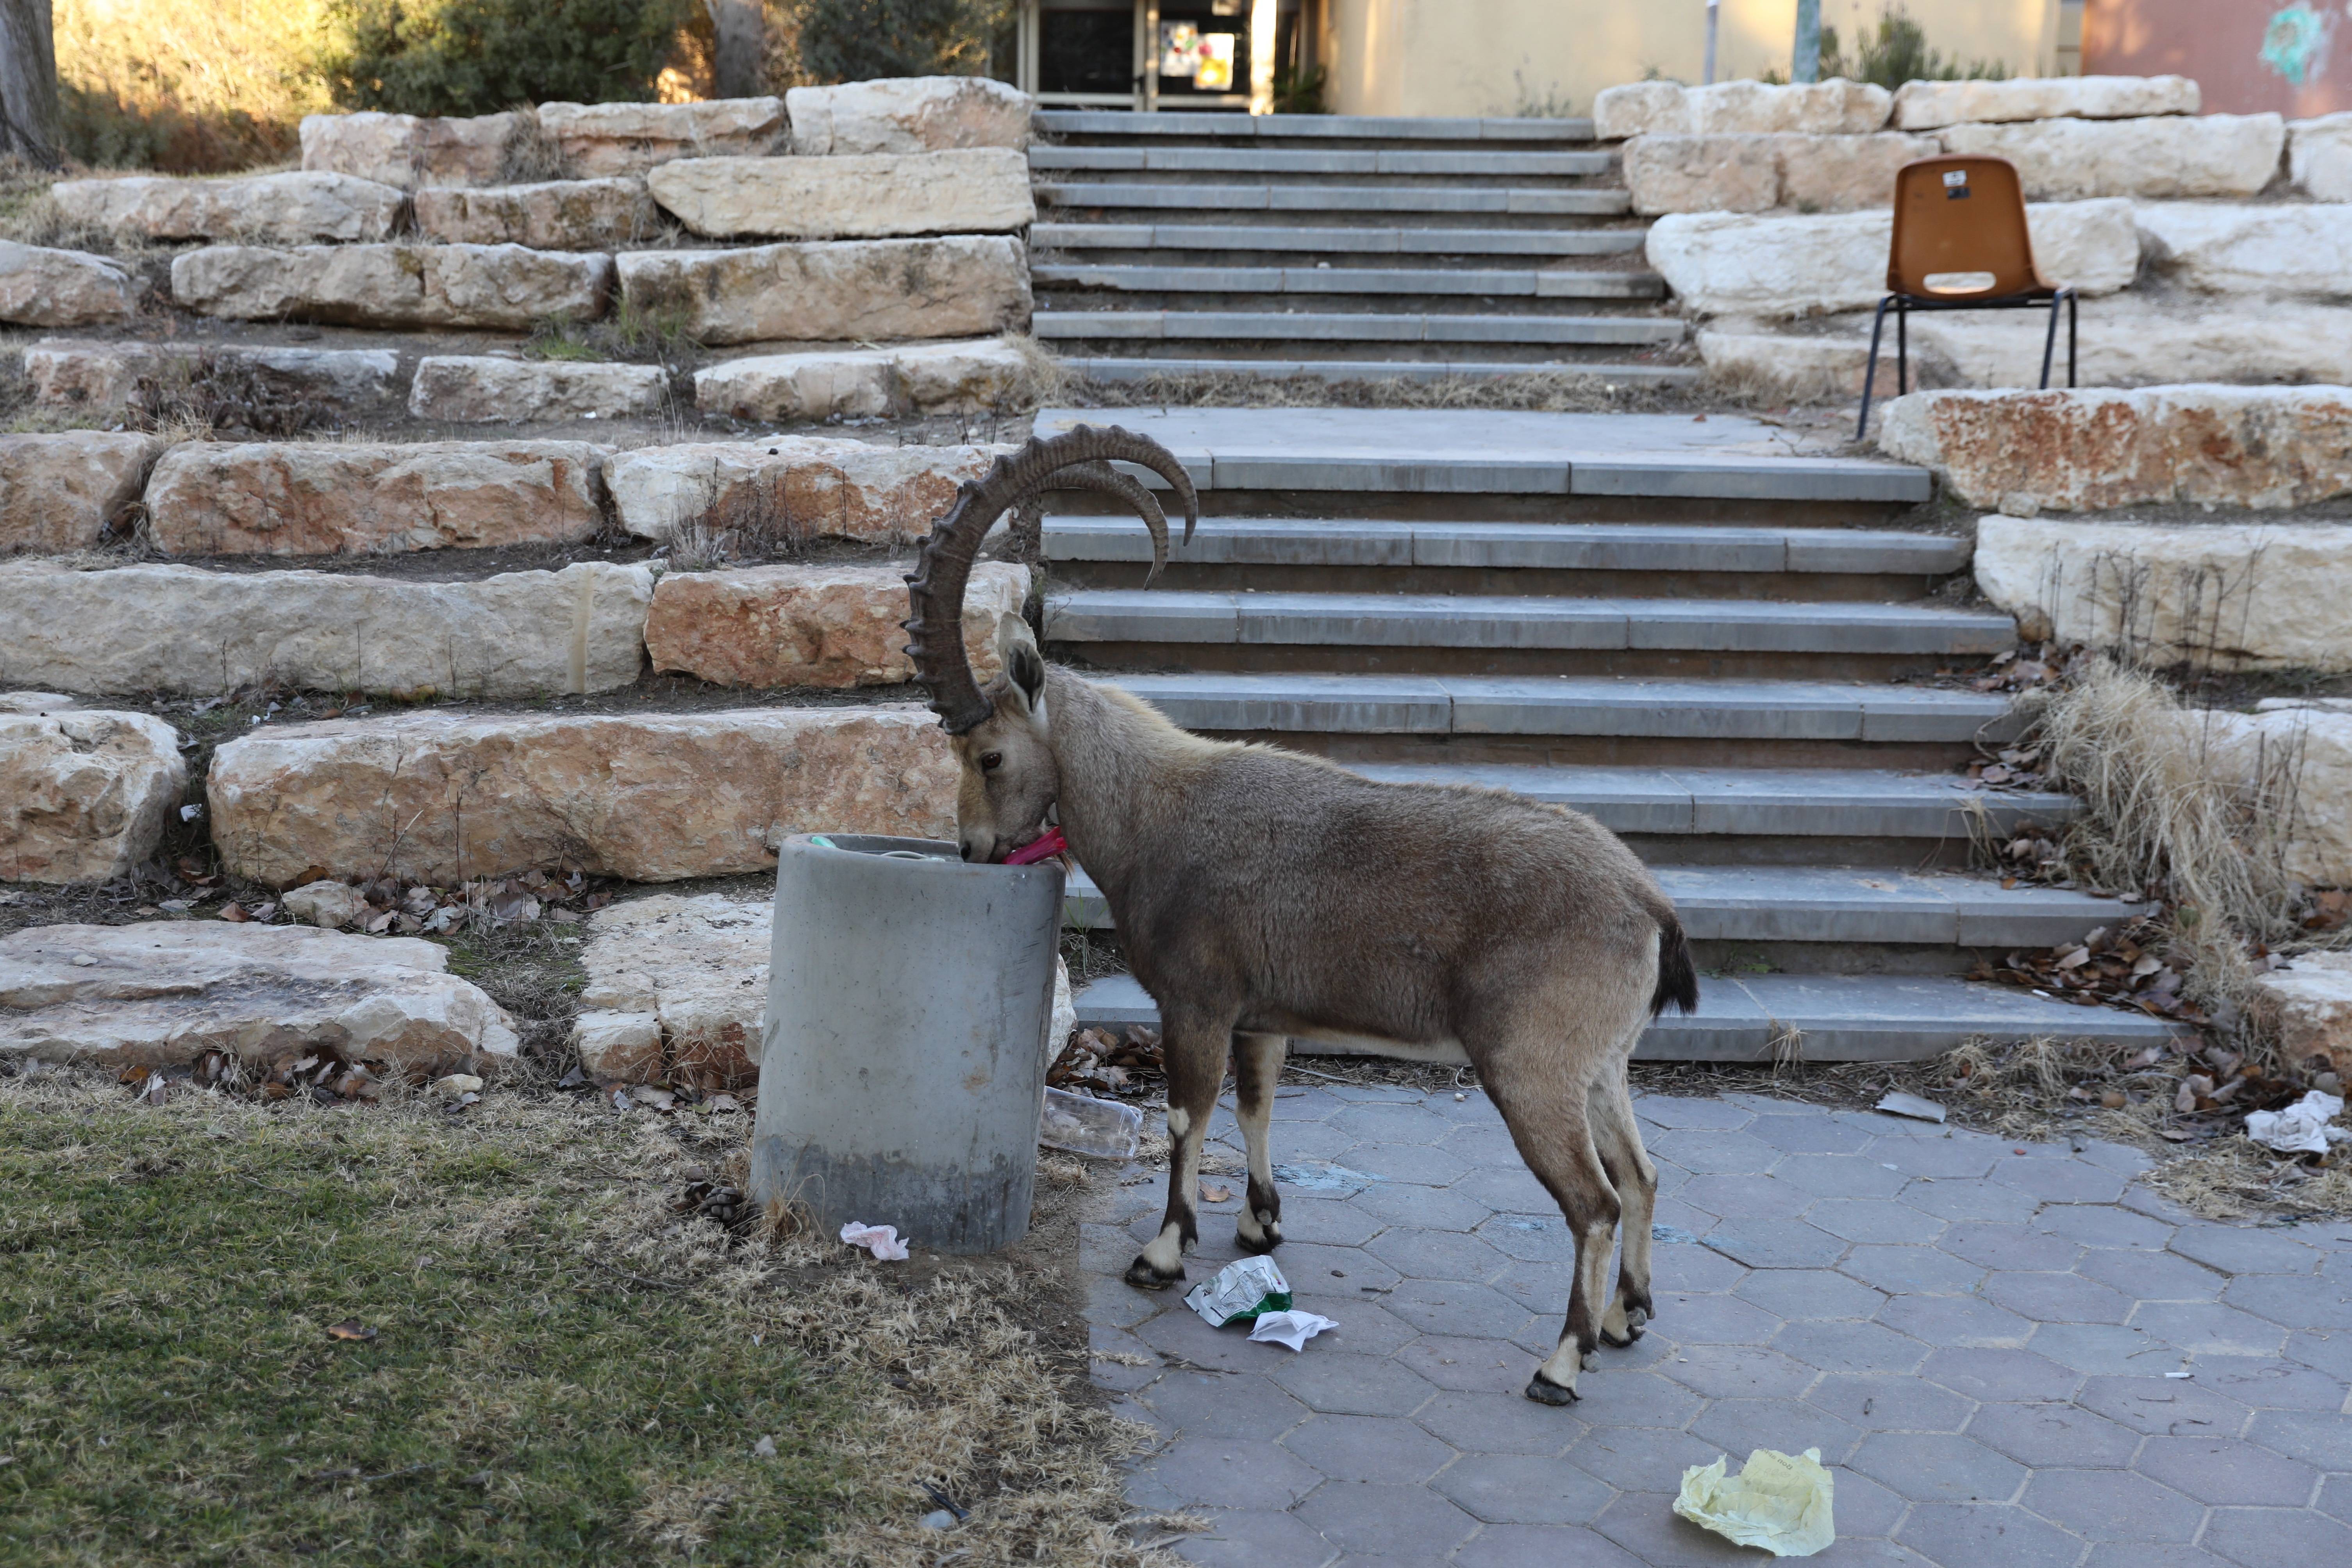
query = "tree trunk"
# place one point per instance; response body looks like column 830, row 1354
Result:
column 29, row 82
column 742, row 31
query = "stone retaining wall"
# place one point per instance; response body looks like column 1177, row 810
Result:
column 962, row 286
column 84, row 795
column 813, row 626
column 500, row 286
column 65, row 491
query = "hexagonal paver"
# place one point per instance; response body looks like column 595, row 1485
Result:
column 1400, row 1124
column 2227, row 1471
column 2054, row 1434
column 1619, row 1396
column 1977, row 1200
column 1542, row 1546
column 1739, row 1427
column 2060, row 1180
column 2160, row 1407
column 1746, row 1196
column 1704, row 1150
column 1940, row 1160
column 2015, row 1247
column 1850, row 1347
column 2273, row 1385
column 1809, row 1293
column 1505, row 1190
column 1956, row 1535
column 1326, row 1222
column 1460, row 1308
column 2238, row 1249
column 2057, row 1297
column 1436, row 1254
column 2314, row 1436
column 1964, row 1320
column 1368, row 1448
column 1520, row 1491
column 2296, row 1302
column 1883, row 1221
column 1202, row 1405
column 1635, row 1458
column 2112, row 1505
column 1499, row 1424
column 1256, row 1538
column 1738, row 1371
column 1934, row 1468
column 1342, row 1384
column 1713, row 1320
column 1483, row 1143
column 1675, row 1110
column 1231, row 1472
column 1686, row 1267
column 1364, row 1328
column 1807, row 1132
column 2208, row 1328
column 2336, row 1497
column 1645, row 1524
column 2326, row 1353
column 1841, row 1175
column 2148, row 1276
column 2105, row 1348
column 1887, row 1404
column 1494, row 1366
column 1911, row 1270
column 1399, row 1521
column 1775, row 1244
column 1422, row 1164
column 2098, row 1225
column 1994, row 1375
column 2267, row 1537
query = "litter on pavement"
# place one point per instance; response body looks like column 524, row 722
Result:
column 1778, row 1502
column 1293, row 1328
column 1239, row 1293
column 881, row 1240
column 2302, row 1128
column 1911, row 1105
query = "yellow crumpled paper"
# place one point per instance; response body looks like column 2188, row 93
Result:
column 1777, row 1502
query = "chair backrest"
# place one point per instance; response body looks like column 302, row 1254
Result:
column 1960, row 216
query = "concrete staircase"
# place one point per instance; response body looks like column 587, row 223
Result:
column 1717, row 665
column 1341, row 245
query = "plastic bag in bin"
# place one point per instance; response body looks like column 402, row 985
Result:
column 1081, row 1124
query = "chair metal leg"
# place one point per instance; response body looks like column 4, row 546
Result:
column 1870, row 371
column 2050, row 339
column 2072, row 302
column 1901, row 347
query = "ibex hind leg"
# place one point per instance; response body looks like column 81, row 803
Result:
column 1257, row 1064
column 1550, row 1122
column 1196, row 1067
column 1618, row 1138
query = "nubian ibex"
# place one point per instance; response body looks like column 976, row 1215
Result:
column 1263, row 895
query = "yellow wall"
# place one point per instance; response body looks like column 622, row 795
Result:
column 1506, row 57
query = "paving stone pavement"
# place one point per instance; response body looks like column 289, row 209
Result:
column 1977, row 1335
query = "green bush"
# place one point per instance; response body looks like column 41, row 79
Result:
column 1897, row 52
column 477, row 57
column 858, row 40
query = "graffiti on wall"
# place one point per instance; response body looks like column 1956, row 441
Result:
column 2293, row 56
column 2297, row 42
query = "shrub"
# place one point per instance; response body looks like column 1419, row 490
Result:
column 188, row 87
column 858, row 40
column 477, row 57
column 1897, row 51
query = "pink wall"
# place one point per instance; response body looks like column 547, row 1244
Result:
column 2221, row 45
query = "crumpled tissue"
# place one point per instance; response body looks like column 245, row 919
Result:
column 1777, row 1502
column 881, row 1240
column 1293, row 1328
column 2302, row 1128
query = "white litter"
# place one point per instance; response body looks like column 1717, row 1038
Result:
column 1244, row 1290
column 1778, row 1501
column 2302, row 1128
column 1293, row 1328
column 1912, row 1106
column 881, row 1240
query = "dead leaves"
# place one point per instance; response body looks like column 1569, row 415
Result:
column 351, row 1331
column 2119, row 968
column 1098, row 1062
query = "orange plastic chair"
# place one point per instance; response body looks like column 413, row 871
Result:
column 1960, row 244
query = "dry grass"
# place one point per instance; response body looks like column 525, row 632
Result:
column 189, row 86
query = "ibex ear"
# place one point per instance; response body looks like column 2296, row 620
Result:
column 1024, row 666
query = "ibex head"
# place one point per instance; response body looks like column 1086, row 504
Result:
column 1001, row 733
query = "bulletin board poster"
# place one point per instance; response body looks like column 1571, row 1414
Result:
column 2248, row 56
column 1207, row 58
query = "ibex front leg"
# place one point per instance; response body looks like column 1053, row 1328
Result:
column 1196, row 1067
column 1257, row 1066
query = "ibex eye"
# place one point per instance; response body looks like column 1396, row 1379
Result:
column 991, row 760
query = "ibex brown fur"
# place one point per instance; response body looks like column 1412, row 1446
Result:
column 1262, row 896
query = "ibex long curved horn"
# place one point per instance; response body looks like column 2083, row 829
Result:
column 1079, row 458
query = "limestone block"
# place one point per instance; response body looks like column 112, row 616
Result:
column 163, row 993
column 1844, row 173
column 908, row 114
column 40, row 287
column 602, row 138
column 2177, row 156
column 2319, row 156
column 2224, row 245
column 1834, row 107
column 1931, row 105
column 2027, row 452
column 809, row 625
column 676, row 987
column 794, row 487
column 550, row 214
column 84, row 794
column 438, row 797
column 501, row 286
column 973, row 377
column 330, row 905
column 486, row 389
column 264, row 498
column 410, row 152
column 870, row 196
column 181, row 629
column 1702, row 173
column 260, row 209
column 1642, row 109
column 2313, row 998
column 1742, row 357
column 2134, row 341
column 2226, row 596
column 36, row 702
column 1730, row 263
column 103, row 377
column 846, row 291
column 65, row 492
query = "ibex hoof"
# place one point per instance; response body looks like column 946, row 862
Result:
column 1543, row 1391
column 1265, row 1241
column 1143, row 1276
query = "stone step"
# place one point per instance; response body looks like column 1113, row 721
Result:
column 1827, row 904
column 1834, row 1017
column 1352, row 199
column 1186, row 125
column 1484, row 163
column 1350, row 326
column 1520, row 546
column 1174, row 620
column 1327, row 279
column 1047, row 235
column 1110, row 369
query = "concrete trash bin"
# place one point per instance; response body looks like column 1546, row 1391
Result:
column 899, row 1072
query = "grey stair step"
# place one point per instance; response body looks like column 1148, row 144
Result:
column 1536, row 546
column 1048, row 235
column 1826, row 904
column 1350, row 326
column 1444, row 620
column 1527, row 284
column 1573, row 705
column 1483, row 161
column 1834, row 1017
column 1287, row 126
column 1335, row 198
column 1109, row 369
